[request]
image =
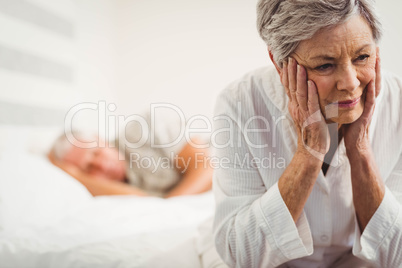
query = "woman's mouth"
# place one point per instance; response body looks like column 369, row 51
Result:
column 348, row 103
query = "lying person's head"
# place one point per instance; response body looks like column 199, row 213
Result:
column 100, row 162
column 335, row 41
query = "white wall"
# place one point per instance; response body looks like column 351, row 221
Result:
column 96, row 43
column 57, row 54
column 96, row 49
column 391, row 44
column 32, row 45
column 184, row 52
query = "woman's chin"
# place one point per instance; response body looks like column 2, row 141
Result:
column 347, row 117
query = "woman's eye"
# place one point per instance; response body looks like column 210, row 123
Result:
column 324, row 67
column 362, row 57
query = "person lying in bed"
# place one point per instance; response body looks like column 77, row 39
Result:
column 180, row 169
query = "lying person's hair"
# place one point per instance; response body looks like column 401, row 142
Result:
column 62, row 145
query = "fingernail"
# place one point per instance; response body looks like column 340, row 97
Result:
column 298, row 68
column 290, row 60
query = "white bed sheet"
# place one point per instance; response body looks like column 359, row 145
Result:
column 76, row 230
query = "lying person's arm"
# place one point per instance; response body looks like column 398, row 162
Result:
column 97, row 186
column 106, row 187
column 197, row 172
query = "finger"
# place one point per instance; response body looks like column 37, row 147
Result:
column 312, row 103
column 285, row 79
column 292, row 72
column 301, row 88
column 369, row 101
column 378, row 74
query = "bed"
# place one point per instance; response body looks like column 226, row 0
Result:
column 48, row 219
column 48, row 65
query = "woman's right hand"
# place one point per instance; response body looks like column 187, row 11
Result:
column 304, row 108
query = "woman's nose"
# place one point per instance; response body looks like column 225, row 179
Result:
column 347, row 78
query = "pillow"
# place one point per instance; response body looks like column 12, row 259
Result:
column 33, row 139
column 33, row 192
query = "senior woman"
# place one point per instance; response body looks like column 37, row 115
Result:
column 314, row 145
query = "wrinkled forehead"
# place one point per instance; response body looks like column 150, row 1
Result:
column 346, row 37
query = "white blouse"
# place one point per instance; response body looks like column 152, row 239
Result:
column 255, row 141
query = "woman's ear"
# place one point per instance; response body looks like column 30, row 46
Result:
column 278, row 69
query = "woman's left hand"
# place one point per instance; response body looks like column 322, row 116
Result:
column 356, row 134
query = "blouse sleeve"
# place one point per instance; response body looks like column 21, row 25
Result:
column 252, row 227
column 381, row 241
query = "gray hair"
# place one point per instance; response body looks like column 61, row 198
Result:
column 283, row 24
column 62, row 145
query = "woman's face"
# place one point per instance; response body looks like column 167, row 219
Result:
column 341, row 62
column 101, row 162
